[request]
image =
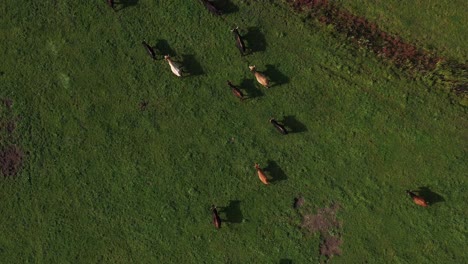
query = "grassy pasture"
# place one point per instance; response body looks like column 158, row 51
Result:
column 104, row 181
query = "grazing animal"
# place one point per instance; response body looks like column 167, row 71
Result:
column 236, row 91
column 150, row 50
column 215, row 216
column 417, row 199
column 261, row 174
column 278, row 126
column 211, row 8
column 261, row 78
column 174, row 67
column 239, row 41
column 111, row 3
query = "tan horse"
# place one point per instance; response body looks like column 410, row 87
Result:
column 261, row 174
column 261, row 78
column 417, row 199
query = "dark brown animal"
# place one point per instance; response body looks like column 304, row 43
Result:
column 278, row 126
column 149, row 49
column 215, row 216
column 417, row 199
column 239, row 41
column 236, row 91
column 211, row 8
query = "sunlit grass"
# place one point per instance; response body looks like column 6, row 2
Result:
column 105, row 181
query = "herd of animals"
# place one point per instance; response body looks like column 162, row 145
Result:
column 262, row 79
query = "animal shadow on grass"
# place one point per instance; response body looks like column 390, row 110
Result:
column 430, row 196
column 256, row 41
column 275, row 172
column 233, row 212
column 293, row 124
column 122, row 4
column 275, row 75
column 163, row 47
column 286, row 261
column 252, row 91
column 191, row 66
column 226, row 6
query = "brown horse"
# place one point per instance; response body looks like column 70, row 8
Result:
column 278, row 126
column 417, row 199
column 239, row 41
column 261, row 174
column 215, row 216
column 211, row 8
column 236, row 91
column 149, row 49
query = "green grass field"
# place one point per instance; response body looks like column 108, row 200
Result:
column 103, row 181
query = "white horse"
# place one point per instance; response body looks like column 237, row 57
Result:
column 175, row 68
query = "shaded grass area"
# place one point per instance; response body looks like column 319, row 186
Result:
column 106, row 181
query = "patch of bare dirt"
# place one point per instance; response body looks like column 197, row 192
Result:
column 11, row 159
column 329, row 227
column 8, row 103
column 331, row 246
column 11, row 155
column 298, row 202
column 143, row 105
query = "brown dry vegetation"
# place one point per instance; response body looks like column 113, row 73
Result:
column 367, row 34
column 11, row 159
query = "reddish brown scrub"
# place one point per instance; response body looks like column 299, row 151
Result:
column 392, row 47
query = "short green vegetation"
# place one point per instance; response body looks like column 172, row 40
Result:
column 123, row 159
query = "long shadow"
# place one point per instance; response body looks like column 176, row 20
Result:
column 122, row 4
column 286, row 261
column 233, row 212
column 255, row 39
column 293, row 124
column 252, row 90
column 277, row 77
column 275, row 172
column 226, row 6
column 430, row 196
column 191, row 65
column 163, row 46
